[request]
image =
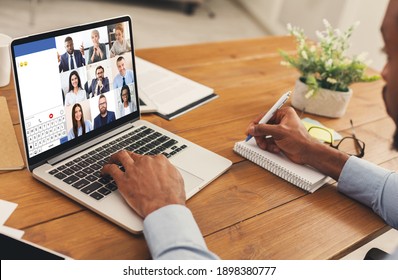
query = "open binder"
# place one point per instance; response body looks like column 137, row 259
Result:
column 169, row 94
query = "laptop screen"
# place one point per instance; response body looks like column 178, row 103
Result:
column 74, row 84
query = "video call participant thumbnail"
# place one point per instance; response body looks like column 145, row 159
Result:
column 121, row 45
column 98, row 51
column 105, row 116
column 127, row 106
column 79, row 125
column 125, row 76
column 72, row 58
column 100, row 84
column 75, row 91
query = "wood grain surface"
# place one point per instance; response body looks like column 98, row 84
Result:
column 247, row 213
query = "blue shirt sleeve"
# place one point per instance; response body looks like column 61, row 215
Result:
column 89, row 126
column 373, row 186
column 129, row 77
column 71, row 135
column 117, row 81
column 172, row 234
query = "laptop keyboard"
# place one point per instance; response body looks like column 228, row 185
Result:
column 84, row 172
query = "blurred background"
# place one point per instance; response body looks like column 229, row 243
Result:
column 179, row 22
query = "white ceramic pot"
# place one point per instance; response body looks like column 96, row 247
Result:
column 325, row 102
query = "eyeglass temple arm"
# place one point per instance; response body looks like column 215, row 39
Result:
column 302, row 113
column 357, row 145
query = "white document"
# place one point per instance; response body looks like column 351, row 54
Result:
column 13, row 232
column 6, row 209
column 170, row 94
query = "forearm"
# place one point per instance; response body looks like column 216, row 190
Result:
column 373, row 186
column 324, row 158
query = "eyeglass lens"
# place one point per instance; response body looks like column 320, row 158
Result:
column 349, row 145
column 321, row 134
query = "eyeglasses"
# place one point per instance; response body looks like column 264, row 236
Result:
column 351, row 145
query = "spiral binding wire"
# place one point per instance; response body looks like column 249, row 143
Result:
column 273, row 167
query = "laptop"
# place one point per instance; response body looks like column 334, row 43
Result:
column 78, row 99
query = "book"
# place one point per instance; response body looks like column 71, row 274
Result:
column 166, row 93
column 302, row 176
column 10, row 154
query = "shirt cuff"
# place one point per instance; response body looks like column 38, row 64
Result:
column 362, row 180
column 172, row 233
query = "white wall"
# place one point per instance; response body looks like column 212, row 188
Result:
column 308, row 14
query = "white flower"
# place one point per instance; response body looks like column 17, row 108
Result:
column 347, row 61
column 328, row 40
column 326, row 23
column 285, row 63
column 309, row 93
column 319, row 34
column 362, row 56
column 312, row 49
column 295, row 33
column 304, row 55
column 331, row 80
column 329, row 62
column 301, row 44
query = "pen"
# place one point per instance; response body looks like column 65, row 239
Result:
column 272, row 111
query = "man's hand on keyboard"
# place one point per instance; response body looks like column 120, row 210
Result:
column 147, row 183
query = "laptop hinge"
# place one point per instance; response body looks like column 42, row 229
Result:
column 98, row 140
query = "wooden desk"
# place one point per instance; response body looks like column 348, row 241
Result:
column 247, row 213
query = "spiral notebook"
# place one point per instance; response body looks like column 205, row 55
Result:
column 302, row 176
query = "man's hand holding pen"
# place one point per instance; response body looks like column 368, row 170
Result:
column 288, row 134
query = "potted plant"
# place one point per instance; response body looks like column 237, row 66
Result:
column 326, row 71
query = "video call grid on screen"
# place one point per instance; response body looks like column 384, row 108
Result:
column 45, row 87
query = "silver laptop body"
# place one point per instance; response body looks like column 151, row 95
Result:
column 59, row 91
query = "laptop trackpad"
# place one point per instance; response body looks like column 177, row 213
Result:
column 191, row 181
